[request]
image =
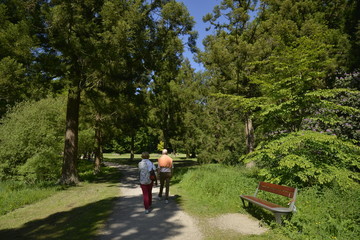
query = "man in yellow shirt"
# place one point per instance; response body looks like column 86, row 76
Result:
column 165, row 171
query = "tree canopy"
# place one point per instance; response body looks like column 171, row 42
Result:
column 280, row 78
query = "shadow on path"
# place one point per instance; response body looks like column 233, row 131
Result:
column 128, row 220
column 60, row 225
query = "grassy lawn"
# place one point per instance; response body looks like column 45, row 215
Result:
column 14, row 195
column 190, row 184
column 180, row 159
column 212, row 190
column 202, row 191
column 79, row 212
column 75, row 213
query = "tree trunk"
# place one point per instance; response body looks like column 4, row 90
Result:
column 132, row 150
column 69, row 168
column 250, row 138
column 166, row 140
column 98, row 144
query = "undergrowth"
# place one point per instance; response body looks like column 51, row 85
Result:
column 213, row 189
column 325, row 214
column 16, row 194
column 322, row 213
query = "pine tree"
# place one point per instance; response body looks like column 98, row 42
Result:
column 228, row 53
column 173, row 23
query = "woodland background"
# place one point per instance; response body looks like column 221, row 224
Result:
column 280, row 90
column 278, row 101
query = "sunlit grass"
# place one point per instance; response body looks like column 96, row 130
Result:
column 74, row 213
column 212, row 190
column 15, row 194
column 180, row 159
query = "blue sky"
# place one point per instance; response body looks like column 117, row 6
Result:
column 198, row 9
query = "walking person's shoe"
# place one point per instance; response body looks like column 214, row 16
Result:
column 147, row 211
column 166, row 201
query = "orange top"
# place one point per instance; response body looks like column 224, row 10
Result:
column 165, row 161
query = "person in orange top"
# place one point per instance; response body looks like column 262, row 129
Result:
column 165, row 171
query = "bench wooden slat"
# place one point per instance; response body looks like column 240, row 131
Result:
column 278, row 210
column 277, row 189
column 261, row 201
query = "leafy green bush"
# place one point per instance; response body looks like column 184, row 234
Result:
column 308, row 158
column 335, row 111
column 322, row 212
column 44, row 165
column 32, row 136
column 325, row 214
column 86, row 140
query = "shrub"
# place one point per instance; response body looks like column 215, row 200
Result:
column 308, row 158
column 322, row 212
column 335, row 111
column 86, row 140
column 44, row 166
column 32, row 136
column 325, row 214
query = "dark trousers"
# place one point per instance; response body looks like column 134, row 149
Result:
column 165, row 179
column 147, row 194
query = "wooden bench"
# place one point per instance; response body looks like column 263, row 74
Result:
column 278, row 210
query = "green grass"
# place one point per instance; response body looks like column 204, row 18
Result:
column 214, row 189
column 74, row 213
column 53, row 212
column 216, row 185
column 180, row 159
column 204, row 191
column 326, row 213
column 14, row 194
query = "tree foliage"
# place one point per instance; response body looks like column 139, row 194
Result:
column 308, row 158
column 16, row 45
column 284, row 71
column 273, row 69
column 31, row 136
column 174, row 22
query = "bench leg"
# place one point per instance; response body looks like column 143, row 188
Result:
column 249, row 204
column 278, row 217
column 243, row 202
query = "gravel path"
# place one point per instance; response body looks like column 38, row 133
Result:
column 128, row 220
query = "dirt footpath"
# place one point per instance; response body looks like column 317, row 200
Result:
column 165, row 221
column 128, row 221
